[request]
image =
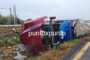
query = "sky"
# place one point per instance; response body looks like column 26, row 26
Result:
column 62, row 9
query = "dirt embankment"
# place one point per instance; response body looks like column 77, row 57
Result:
column 8, row 28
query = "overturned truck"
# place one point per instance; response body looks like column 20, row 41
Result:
column 42, row 34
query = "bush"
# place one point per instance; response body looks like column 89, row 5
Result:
column 10, row 40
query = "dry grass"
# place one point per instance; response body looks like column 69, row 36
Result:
column 85, row 38
column 3, row 30
column 8, row 29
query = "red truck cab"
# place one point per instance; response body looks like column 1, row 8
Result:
column 32, row 43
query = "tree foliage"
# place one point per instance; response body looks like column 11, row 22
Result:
column 9, row 20
column 3, row 19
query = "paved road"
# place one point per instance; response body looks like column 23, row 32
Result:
column 75, row 54
column 70, row 55
column 86, row 56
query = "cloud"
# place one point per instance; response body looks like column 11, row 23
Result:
column 63, row 9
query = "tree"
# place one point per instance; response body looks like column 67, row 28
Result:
column 3, row 20
column 9, row 20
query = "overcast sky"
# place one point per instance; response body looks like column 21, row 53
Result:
column 62, row 9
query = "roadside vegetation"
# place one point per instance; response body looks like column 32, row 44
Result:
column 4, row 20
column 8, row 41
column 8, row 45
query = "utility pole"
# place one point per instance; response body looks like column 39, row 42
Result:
column 14, row 13
column 10, row 16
